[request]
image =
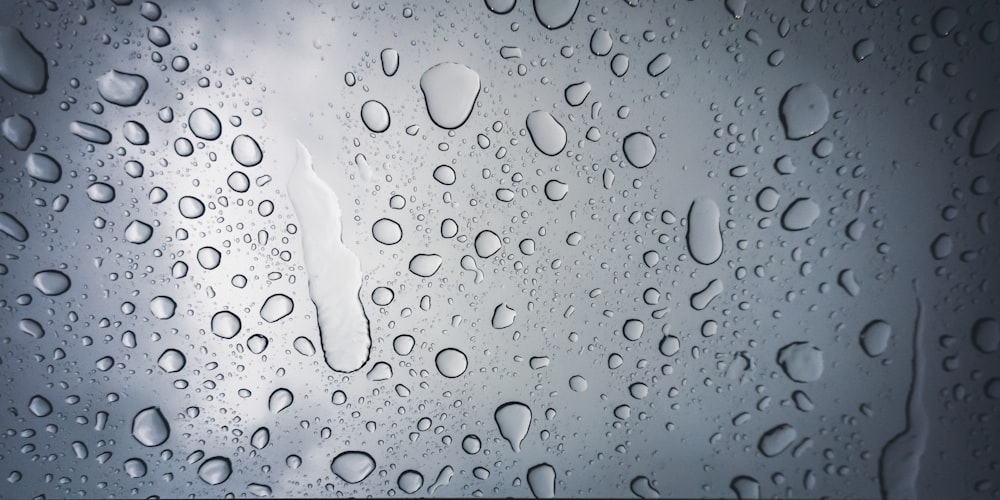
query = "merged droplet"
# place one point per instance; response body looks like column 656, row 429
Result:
column 353, row 466
column 276, row 306
column 546, row 132
column 90, row 132
column 804, row 110
column 450, row 91
column 150, row 428
column 513, row 420
column 22, row 66
column 577, row 93
column 556, row 190
column 123, row 89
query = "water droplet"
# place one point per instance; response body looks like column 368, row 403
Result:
column 353, row 466
column 659, row 64
column 513, row 420
column 387, row 231
column 257, row 343
column 503, row 316
column 150, row 428
column 501, row 6
column 944, row 21
column 800, row 214
column 39, row 406
column 632, row 329
column 101, row 192
column 51, row 282
column 225, row 324
column 276, row 306
column 546, row 132
column 445, row 175
column 542, row 481
column 135, row 468
column 986, row 335
column 18, row 130
column 260, row 438
column 864, row 48
column 704, row 235
column 487, row 244
column 135, row 133
column 390, row 61
column 601, row 42
column 381, row 371
column 123, row 89
column 158, row 36
column 451, row 363
column 138, row 232
column 375, row 116
column 745, row 487
column 425, row 265
column 191, row 207
column 577, row 93
column 801, row 361
column 670, row 345
column 736, row 7
column 403, row 345
column 22, row 66
column 450, row 91
column 554, row 14
column 556, row 190
column 279, row 400
column 643, row 488
column 43, row 167
column 246, row 151
column 639, row 149
column 382, row 296
column 171, row 361
column 777, row 439
column 471, row 444
column 215, row 470
column 150, row 11
column 987, row 135
column 577, row 383
column 162, row 307
column 410, row 481
column 804, row 110
column 204, row 124
column 90, row 132
column 31, row 327
column 875, row 337
column 12, row 227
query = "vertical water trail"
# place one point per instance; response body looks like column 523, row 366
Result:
column 334, row 272
column 899, row 465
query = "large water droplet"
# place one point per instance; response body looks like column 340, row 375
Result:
column 43, row 167
column 501, row 6
column 802, row 361
column 554, row 14
column 18, row 130
column 503, row 316
column 280, row 399
column 704, row 235
column 135, row 468
column 487, row 244
column 215, row 470
column 375, row 116
column 987, row 135
column 546, row 132
column 123, row 89
column 162, row 307
column 276, row 306
column 51, row 282
column 171, row 361
column 513, row 420
column 542, row 481
column 101, row 192
column 875, row 337
column 451, row 363
column 390, row 61
column 659, row 64
column 246, row 151
column 204, row 124
column 387, row 231
column 804, row 110
column 12, row 227
column 986, row 335
column 425, row 265
column 150, row 428
column 138, row 232
column 90, row 132
column 777, row 439
column 22, row 66
column 639, row 149
column 226, row 324
column 39, row 406
column 353, row 466
column 450, row 92
column 800, row 214
column 410, row 480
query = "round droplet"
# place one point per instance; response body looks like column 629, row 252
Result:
column 239, row 182
column 257, row 343
column 280, row 399
column 191, row 207
column 387, row 231
column 135, row 133
column 246, row 151
column 382, row 296
column 183, row 147
column 556, row 190
column 375, row 116
column 670, row 345
column 171, row 361
column 403, row 345
column 577, row 383
column 471, row 444
column 450, row 91
column 986, row 335
column 22, row 66
column 51, row 282
column 209, row 257
column 546, row 132
column 633, row 329
column 425, row 265
column 804, row 110
column 800, row 215
column 150, row 428
column 801, row 361
column 215, row 470
column 864, row 48
column 410, row 481
column 353, row 466
column 227, row 325
column 639, row 149
column 487, row 244
column 875, row 337
column 499, row 7
column 445, row 175
column 101, row 192
column 135, row 468
column 451, row 363
column 204, row 124
column 39, row 406
column 138, row 232
column 542, row 481
column 619, row 65
column 767, row 199
column 162, row 307
column 304, row 346
column 276, row 306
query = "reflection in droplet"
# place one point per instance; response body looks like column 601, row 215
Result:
column 246, row 151
column 204, row 124
column 801, row 361
column 43, row 167
column 503, row 316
